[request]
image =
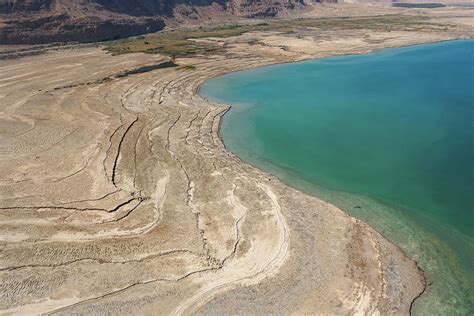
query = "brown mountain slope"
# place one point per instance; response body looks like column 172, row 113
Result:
column 46, row 21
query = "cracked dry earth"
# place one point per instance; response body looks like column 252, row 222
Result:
column 117, row 196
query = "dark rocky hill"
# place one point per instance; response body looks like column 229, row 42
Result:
column 47, row 21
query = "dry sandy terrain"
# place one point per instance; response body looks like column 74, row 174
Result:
column 117, row 195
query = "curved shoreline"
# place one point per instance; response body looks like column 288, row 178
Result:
column 229, row 107
column 309, row 192
column 200, row 230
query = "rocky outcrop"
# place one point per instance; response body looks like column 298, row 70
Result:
column 61, row 29
column 262, row 8
column 12, row 6
column 47, row 21
column 138, row 7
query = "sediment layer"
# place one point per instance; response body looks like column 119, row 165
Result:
column 117, row 196
column 120, row 197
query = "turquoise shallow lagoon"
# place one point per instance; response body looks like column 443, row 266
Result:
column 388, row 137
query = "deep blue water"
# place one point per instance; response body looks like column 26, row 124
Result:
column 386, row 136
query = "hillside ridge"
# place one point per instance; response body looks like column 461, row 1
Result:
column 48, row 21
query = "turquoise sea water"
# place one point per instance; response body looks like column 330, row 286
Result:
column 388, row 137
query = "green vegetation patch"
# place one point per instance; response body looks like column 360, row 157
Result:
column 425, row 5
column 181, row 42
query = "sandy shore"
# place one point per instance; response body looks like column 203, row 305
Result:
column 117, row 195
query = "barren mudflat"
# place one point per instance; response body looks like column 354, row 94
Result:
column 117, row 195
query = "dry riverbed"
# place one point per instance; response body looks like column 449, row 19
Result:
column 117, row 195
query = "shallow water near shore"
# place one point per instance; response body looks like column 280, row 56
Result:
column 387, row 137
